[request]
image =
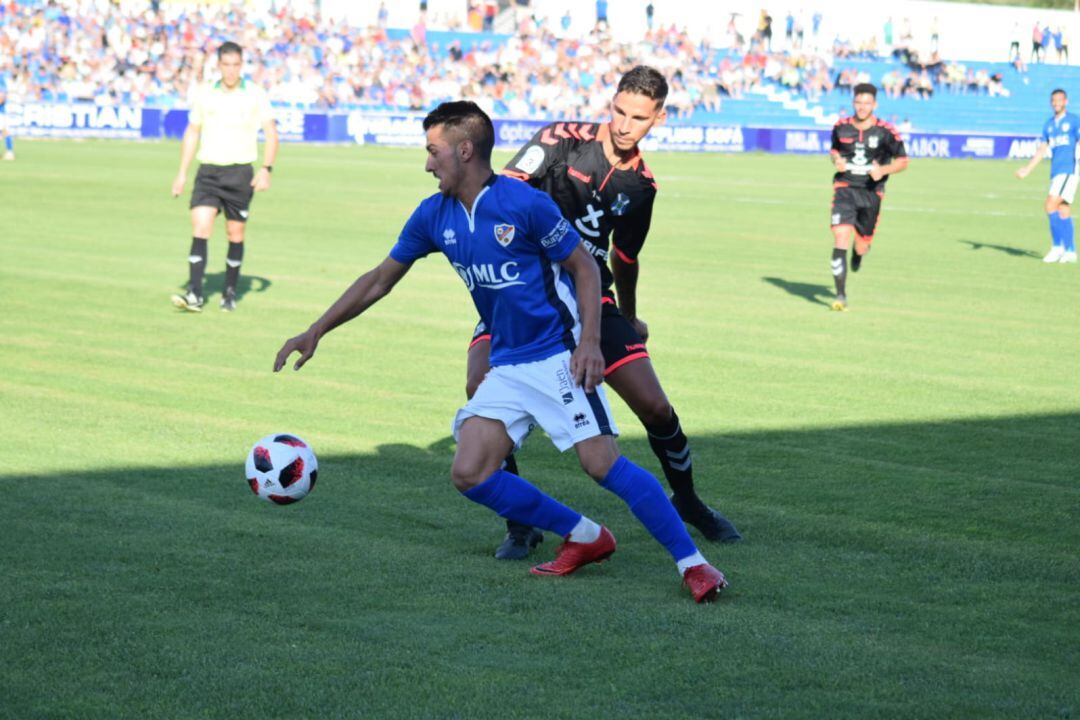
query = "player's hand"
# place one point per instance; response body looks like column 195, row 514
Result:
column 587, row 366
column 841, row 164
column 261, row 181
column 305, row 344
column 876, row 172
column 641, row 328
column 178, row 184
column 1023, row 172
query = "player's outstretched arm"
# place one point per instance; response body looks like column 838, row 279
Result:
column 587, row 362
column 1040, row 153
column 368, row 289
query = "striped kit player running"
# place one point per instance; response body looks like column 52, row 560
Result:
column 865, row 151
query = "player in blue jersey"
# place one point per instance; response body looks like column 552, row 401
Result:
column 9, row 148
column 530, row 275
column 1059, row 136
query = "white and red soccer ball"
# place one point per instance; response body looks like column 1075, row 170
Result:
column 281, row 469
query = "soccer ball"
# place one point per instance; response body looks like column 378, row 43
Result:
column 281, row 469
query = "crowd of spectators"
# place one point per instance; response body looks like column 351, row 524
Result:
column 77, row 52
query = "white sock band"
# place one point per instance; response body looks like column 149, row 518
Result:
column 690, row 561
column 586, row 531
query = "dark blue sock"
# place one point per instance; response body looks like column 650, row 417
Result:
column 1065, row 232
column 516, row 499
column 1055, row 228
column 642, row 492
column 9, row 143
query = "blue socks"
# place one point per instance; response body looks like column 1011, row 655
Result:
column 1055, row 229
column 516, row 499
column 9, row 143
column 1061, row 232
column 642, row 492
column 1065, row 233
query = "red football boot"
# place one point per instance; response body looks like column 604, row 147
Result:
column 704, row 582
column 573, row 555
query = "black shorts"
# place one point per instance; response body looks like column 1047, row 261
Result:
column 619, row 341
column 860, row 207
column 225, row 187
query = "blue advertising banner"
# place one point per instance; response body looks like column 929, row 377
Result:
column 361, row 127
column 74, row 120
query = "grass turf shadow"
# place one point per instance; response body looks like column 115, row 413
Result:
column 215, row 282
column 818, row 294
column 918, row 550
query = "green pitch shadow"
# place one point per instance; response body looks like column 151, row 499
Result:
column 872, row 551
column 1015, row 252
column 818, row 294
column 215, row 282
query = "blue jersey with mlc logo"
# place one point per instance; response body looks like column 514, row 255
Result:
column 507, row 250
column 1062, row 134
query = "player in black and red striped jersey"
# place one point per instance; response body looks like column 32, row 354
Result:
column 596, row 175
column 865, row 151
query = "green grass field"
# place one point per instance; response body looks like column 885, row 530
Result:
column 905, row 474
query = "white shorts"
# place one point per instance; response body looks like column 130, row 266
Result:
column 540, row 393
column 1064, row 187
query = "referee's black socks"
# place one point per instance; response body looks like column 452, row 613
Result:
column 839, row 270
column 672, row 449
column 232, row 265
column 197, row 265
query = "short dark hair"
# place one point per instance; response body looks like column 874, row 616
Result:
column 865, row 89
column 229, row 48
column 644, row 80
column 465, row 117
column 1059, row 90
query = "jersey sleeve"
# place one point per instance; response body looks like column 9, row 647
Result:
column 415, row 240
column 263, row 111
column 1045, row 133
column 557, row 238
column 539, row 154
column 628, row 232
column 197, row 113
column 835, row 146
column 896, row 144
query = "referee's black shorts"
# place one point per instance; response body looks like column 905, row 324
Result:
column 225, row 187
column 620, row 343
column 860, row 207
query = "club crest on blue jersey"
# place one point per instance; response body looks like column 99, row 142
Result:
column 618, row 208
column 504, row 234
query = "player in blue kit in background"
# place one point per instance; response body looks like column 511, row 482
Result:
column 1060, row 135
column 531, row 276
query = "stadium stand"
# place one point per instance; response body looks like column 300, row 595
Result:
column 151, row 55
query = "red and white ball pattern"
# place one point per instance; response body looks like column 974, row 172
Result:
column 281, row 468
